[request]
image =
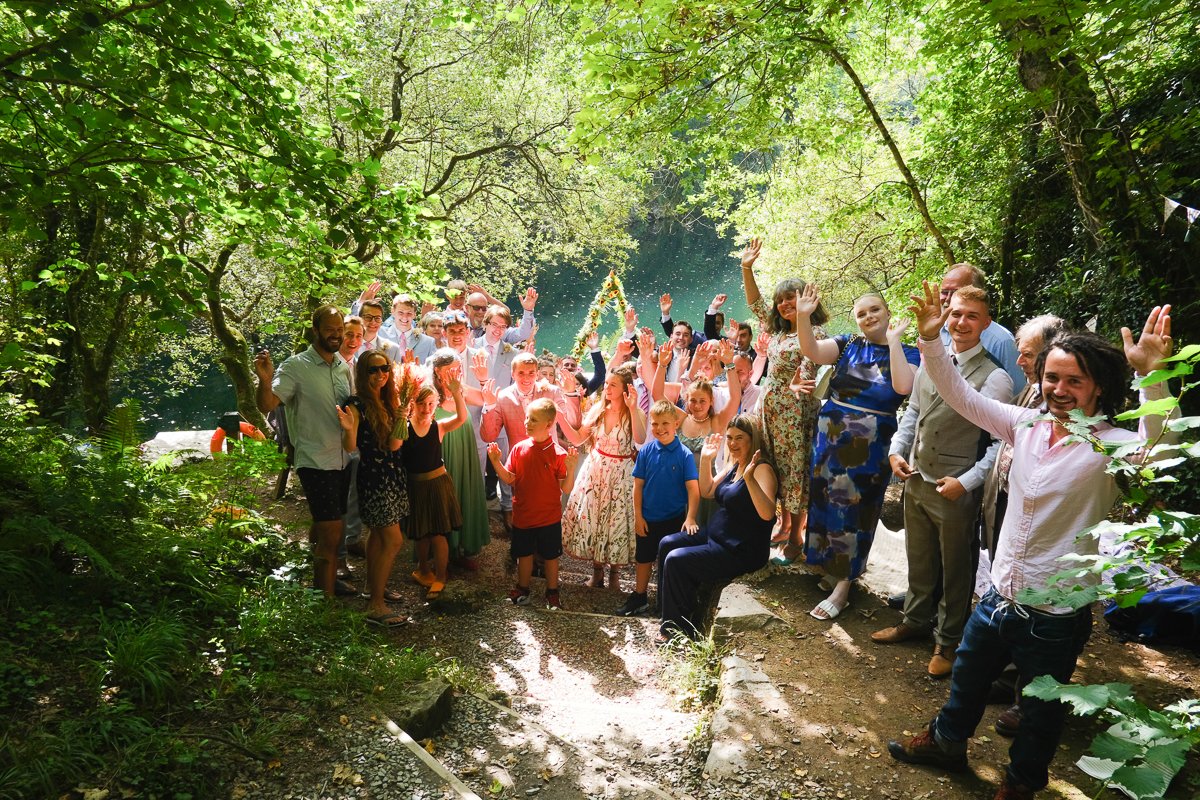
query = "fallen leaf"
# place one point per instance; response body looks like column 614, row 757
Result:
column 428, row 745
column 497, row 787
column 343, row 720
column 92, row 794
column 274, row 764
column 747, row 737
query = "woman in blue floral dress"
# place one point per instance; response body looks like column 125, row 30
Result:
column 873, row 372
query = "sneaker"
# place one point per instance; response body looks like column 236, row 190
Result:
column 634, row 604
column 519, row 596
column 553, row 602
column 925, row 749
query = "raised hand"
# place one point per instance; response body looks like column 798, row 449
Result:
column 263, row 367
column 529, row 299
column 725, row 351
column 625, row 347
column 479, row 365
column 685, row 358
column 631, row 397
column 755, row 460
column 370, row 292
column 664, row 304
column 1153, row 345
column 472, row 288
column 712, row 445
column 646, row 340
column 808, row 300
column 929, row 312
column 751, row 252
column 593, row 340
column 345, row 418
column 566, row 380
column 731, row 330
column 896, row 329
column 762, row 342
column 630, row 318
column 426, row 307
column 665, row 354
column 488, row 389
column 409, row 357
column 718, row 301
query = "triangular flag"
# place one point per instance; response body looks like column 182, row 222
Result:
column 1169, row 207
column 1192, row 213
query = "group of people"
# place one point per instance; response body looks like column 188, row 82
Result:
column 690, row 466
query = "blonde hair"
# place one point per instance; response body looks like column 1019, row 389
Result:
column 543, row 408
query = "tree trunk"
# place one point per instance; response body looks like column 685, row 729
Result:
column 914, row 188
column 235, row 356
column 1100, row 175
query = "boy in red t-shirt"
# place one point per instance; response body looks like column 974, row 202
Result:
column 539, row 471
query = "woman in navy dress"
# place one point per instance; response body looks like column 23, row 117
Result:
column 736, row 540
column 873, row 373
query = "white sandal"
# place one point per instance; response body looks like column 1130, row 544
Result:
column 831, row 610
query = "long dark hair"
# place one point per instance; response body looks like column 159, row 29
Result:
column 1099, row 360
column 381, row 408
column 781, row 325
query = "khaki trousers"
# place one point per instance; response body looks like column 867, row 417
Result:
column 939, row 536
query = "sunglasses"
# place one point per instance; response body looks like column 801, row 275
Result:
column 477, row 308
column 377, row 369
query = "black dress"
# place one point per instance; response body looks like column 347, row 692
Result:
column 382, row 488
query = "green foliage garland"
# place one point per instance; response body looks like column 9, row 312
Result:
column 611, row 291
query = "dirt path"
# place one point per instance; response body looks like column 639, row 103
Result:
column 594, row 718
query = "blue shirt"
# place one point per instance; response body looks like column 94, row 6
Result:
column 665, row 471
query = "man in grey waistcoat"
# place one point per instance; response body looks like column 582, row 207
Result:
column 950, row 457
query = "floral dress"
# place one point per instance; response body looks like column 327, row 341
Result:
column 598, row 520
column 382, row 483
column 787, row 421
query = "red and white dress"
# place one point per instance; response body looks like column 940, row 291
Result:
column 598, row 520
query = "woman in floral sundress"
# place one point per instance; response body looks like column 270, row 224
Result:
column 787, row 419
column 598, row 520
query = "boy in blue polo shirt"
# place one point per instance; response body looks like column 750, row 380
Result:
column 666, row 493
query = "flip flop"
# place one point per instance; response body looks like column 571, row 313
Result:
column 423, row 578
column 392, row 620
column 343, row 589
column 435, row 590
column 831, row 610
column 389, row 596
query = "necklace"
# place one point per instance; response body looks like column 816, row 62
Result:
column 707, row 417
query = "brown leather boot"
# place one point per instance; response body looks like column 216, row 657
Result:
column 1013, row 791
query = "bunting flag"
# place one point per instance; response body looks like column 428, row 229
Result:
column 1192, row 214
column 611, row 292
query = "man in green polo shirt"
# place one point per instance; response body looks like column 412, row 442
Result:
column 310, row 385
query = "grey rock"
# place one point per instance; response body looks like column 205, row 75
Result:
column 426, row 707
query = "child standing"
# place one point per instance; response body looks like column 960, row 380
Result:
column 435, row 510
column 539, row 472
column 666, row 494
column 598, row 521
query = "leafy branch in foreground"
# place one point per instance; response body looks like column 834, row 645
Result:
column 1143, row 749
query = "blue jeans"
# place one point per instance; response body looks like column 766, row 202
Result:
column 1000, row 632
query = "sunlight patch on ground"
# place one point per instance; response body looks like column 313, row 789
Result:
column 616, row 706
